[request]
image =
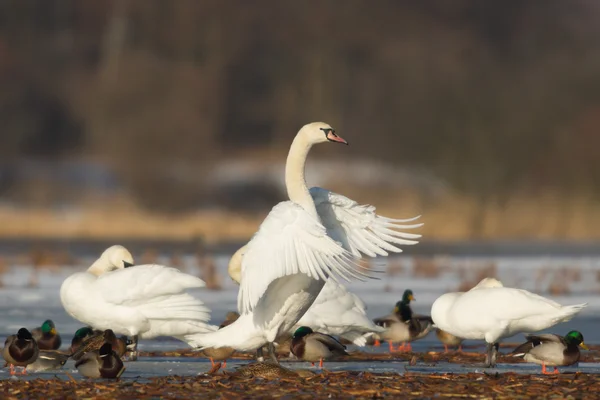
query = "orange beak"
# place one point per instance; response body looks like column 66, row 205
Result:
column 332, row 137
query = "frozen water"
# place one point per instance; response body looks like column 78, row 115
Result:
column 21, row 305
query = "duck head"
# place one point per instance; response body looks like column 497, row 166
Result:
column 24, row 334
column 302, row 332
column 575, row 338
column 48, row 328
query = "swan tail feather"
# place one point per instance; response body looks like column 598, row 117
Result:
column 568, row 312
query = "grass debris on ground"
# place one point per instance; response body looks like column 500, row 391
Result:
column 356, row 385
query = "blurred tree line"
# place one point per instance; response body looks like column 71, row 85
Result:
column 495, row 97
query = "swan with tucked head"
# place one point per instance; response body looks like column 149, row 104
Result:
column 491, row 312
column 303, row 242
column 143, row 301
column 115, row 257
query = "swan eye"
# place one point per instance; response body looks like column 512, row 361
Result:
column 328, row 131
column 126, row 264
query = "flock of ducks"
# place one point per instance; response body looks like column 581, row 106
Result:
column 290, row 278
column 97, row 354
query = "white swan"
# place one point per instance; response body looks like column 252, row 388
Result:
column 287, row 262
column 492, row 312
column 336, row 311
column 144, row 301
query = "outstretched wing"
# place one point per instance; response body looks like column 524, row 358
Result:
column 359, row 228
column 291, row 241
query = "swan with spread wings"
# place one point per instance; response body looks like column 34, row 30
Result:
column 303, row 242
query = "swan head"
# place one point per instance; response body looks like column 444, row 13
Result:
column 115, row 257
column 488, row 283
column 320, row 132
column 575, row 338
column 235, row 265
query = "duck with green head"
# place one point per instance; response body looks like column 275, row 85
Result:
column 81, row 335
column 402, row 308
column 402, row 325
column 314, row 346
column 102, row 363
column 551, row 350
column 20, row 350
column 46, row 336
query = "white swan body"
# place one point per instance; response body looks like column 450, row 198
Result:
column 491, row 312
column 338, row 312
column 145, row 300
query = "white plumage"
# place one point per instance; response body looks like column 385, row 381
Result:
column 358, row 228
column 296, row 250
column 336, row 311
column 491, row 312
column 289, row 242
column 145, row 300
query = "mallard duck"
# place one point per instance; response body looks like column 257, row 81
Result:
column 302, row 242
column 20, row 350
column 102, row 363
column 94, row 343
column 265, row 370
column 448, row 339
column 403, row 331
column 492, row 312
column 81, row 335
column 551, row 350
column 402, row 325
column 222, row 353
column 48, row 360
column 46, row 336
column 314, row 346
column 143, row 301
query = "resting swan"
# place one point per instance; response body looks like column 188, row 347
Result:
column 289, row 259
column 492, row 312
column 142, row 301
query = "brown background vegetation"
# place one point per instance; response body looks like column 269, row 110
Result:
column 499, row 100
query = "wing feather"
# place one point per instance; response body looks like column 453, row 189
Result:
column 290, row 241
column 144, row 283
column 358, row 228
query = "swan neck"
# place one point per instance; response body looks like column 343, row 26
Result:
column 294, row 174
column 99, row 267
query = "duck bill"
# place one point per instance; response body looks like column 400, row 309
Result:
column 583, row 346
column 412, row 298
column 396, row 310
column 53, row 331
column 332, row 137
